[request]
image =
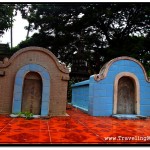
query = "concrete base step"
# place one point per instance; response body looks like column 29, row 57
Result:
column 129, row 116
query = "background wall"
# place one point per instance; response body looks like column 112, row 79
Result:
column 80, row 95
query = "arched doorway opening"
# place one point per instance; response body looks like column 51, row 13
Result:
column 32, row 93
column 126, row 94
column 19, row 83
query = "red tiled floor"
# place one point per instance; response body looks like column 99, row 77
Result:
column 77, row 128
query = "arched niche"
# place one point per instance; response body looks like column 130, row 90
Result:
column 126, row 92
column 32, row 93
column 19, row 83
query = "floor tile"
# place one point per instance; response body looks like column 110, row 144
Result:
column 77, row 128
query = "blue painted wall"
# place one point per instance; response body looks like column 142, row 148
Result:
column 80, row 95
column 100, row 94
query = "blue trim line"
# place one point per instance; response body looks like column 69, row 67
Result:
column 17, row 100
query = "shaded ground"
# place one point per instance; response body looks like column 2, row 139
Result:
column 77, row 128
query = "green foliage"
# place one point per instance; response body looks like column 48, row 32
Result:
column 20, row 114
column 7, row 11
column 69, row 96
column 148, row 73
column 28, row 115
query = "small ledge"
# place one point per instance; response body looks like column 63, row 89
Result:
column 129, row 116
column 2, row 73
column 65, row 78
column 81, row 108
column 86, row 82
column 23, row 116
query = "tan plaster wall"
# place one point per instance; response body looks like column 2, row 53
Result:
column 59, row 76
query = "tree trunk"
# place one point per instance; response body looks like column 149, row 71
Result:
column 28, row 31
column 11, row 32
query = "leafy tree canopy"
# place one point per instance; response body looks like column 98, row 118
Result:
column 7, row 12
column 102, row 31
